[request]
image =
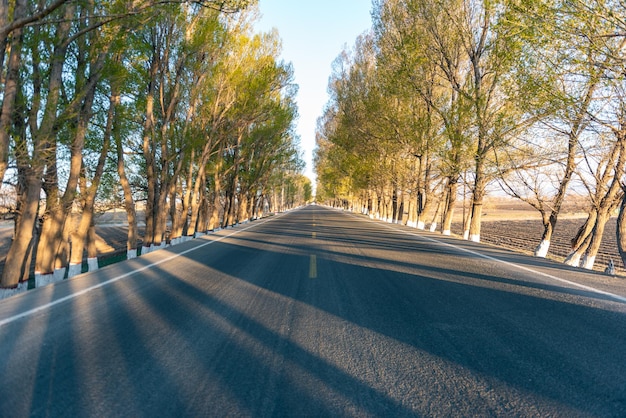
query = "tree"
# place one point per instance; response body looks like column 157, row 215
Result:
column 49, row 107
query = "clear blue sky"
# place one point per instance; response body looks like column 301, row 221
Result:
column 313, row 33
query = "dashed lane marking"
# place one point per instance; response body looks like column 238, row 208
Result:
column 313, row 266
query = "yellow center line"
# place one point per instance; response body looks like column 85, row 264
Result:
column 312, row 267
column 313, row 257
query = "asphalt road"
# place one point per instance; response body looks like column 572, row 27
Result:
column 318, row 313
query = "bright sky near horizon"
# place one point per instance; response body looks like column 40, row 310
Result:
column 313, row 33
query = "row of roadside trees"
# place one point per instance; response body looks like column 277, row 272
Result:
column 178, row 105
column 439, row 95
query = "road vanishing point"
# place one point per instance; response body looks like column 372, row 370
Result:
column 318, row 312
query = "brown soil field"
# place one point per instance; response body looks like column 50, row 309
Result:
column 525, row 235
column 515, row 225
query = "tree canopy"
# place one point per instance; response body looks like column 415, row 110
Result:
column 525, row 97
column 177, row 111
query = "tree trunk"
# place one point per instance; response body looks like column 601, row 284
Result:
column 204, row 216
column 148, row 239
column 394, row 205
column 4, row 20
column 411, row 211
column 177, row 219
column 478, row 197
column 214, row 220
column 129, row 202
column 549, row 221
column 421, row 210
column 92, row 249
column 451, row 192
column 229, row 217
column 433, row 223
column 608, row 199
column 242, row 212
column 45, row 143
column 573, row 258
column 589, row 237
column 161, row 215
column 188, row 196
column 596, row 241
column 89, row 195
column 196, row 197
column 17, row 264
column 621, row 229
column 11, row 86
column 53, row 237
column 585, row 229
column 148, row 155
column 251, row 208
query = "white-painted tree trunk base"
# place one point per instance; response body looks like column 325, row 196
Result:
column 421, row 225
column 475, row 237
column 42, row 280
column 446, row 232
column 588, row 262
column 145, row 250
column 433, row 227
column 465, row 234
column 7, row 293
column 59, row 274
column 572, row 260
column 130, row 254
column 542, row 249
column 92, row 264
column 74, row 269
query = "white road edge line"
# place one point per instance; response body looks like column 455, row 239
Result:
column 507, row 263
column 130, row 273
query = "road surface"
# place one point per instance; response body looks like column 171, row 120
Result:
column 318, row 313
